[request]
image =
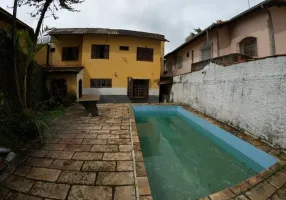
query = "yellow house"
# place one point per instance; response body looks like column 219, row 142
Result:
column 120, row 65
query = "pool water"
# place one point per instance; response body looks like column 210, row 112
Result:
column 181, row 162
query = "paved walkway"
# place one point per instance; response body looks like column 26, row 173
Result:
column 82, row 158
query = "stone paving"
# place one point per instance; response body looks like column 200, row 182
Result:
column 82, row 158
column 99, row 158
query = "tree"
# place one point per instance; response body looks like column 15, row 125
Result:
column 42, row 7
column 198, row 30
column 14, row 40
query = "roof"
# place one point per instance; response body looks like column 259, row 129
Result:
column 71, row 69
column 6, row 16
column 106, row 31
column 266, row 3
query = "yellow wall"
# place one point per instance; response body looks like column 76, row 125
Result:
column 121, row 63
column 70, row 79
column 41, row 56
column 3, row 25
column 65, row 41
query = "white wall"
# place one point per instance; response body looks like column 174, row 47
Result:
column 250, row 95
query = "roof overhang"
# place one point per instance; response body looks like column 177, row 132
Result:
column 71, row 69
column 264, row 4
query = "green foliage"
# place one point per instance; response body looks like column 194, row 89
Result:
column 55, row 5
column 198, row 30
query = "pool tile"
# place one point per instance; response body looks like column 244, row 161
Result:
column 255, row 180
column 237, row 189
column 124, row 192
column 278, row 180
column 143, row 185
column 261, row 191
column 222, row 195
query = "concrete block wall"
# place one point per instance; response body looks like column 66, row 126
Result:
column 250, row 96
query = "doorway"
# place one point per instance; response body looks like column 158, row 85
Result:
column 79, row 88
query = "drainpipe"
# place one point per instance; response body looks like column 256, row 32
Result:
column 217, row 39
column 48, row 55
column 271, row 32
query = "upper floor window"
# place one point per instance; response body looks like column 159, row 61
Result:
column 206, row 52
column 248, row 46
column 99, row 51
column 124, row 48
column 70, row 53
column 179, row 62
column 144, row 54
column 100, row 83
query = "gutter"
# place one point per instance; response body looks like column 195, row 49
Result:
column 270, row 31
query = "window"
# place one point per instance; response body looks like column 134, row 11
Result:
column 179, row 62
column 206, row 52
column 100, row 83
column 100, row 51
column 188, row 54
column 144, row 54
column 248, row 46
column 53, row 50
column 70, row 53
column 124, row 48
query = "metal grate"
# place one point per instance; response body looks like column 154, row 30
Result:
column 248, row 46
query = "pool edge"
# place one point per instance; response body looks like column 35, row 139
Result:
column 254, row 182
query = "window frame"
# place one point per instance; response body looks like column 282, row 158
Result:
column 100, row 83
column 100, row 55
column 206, row 47
column 64, row 57
column 246, row 44
column 141, row 54
column 124, row 48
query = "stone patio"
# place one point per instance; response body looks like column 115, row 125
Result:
column 82, row 158
column 99, row 158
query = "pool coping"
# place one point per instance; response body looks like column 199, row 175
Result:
column 263, row 185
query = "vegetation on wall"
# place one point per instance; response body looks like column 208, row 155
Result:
column 22, row 85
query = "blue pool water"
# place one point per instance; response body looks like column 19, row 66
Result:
column 188, row 158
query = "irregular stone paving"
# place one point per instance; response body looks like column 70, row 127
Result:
column 82, row 158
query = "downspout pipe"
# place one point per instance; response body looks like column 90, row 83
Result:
column 271, row 32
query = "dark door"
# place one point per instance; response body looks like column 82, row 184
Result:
column 79, row 88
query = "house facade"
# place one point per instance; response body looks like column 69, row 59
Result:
column 119, row 65
column 255, row 33
column 6, row 20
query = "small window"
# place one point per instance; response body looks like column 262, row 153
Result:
column 100, row 51
column 206, row 52
column 188, row 54
column 144, row 54
column 179, row 62
column 100, row 83
column 248, row 46
column 70, row 53
column 124, row 48
column 53, row 50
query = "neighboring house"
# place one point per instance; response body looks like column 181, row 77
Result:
column 120, row 65
column 258, row 32
column 6, row 20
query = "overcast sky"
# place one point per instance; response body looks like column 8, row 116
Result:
column 173, row 18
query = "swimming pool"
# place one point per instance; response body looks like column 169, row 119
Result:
column 186, row 157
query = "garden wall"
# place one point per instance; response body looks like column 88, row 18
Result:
column 250, row 96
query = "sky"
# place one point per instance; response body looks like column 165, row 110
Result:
column 175, row 19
